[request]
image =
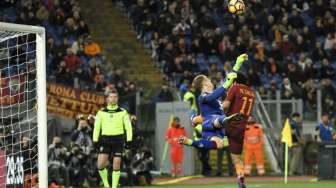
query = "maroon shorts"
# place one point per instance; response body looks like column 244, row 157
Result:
column 235, row 136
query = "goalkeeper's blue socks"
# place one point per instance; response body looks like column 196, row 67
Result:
column 206, row 144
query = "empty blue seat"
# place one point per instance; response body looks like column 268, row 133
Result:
column 214, row 60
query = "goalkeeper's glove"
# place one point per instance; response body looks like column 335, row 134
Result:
column 229, row 79
column 240, row 60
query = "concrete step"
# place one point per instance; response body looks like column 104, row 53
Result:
column 117, row 38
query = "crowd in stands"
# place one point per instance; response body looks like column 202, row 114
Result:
column 291, row 43
column 73, row 57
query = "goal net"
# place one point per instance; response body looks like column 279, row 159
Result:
column 23, row 142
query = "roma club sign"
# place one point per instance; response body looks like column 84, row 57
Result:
column 68, row 102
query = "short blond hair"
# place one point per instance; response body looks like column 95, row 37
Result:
column 197, row 83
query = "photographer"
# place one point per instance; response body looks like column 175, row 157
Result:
column 78, row 168
column 91, row 121
column 29, row 154
column 137, row 141
column 142, row 164
column 57, row 156
column 81, row 136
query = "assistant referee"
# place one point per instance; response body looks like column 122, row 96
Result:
column 111, row 126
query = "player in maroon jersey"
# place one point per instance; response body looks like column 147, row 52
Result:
column 239, row 99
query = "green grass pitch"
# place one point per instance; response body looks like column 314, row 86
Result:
column 322, row 184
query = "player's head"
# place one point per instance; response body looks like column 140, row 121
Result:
column 57, row 140
column 25, row 141
column 176, row 122
column 82, row 123
column 325, row 118
column 241, row 78
column 201, row 83
column 296, row 117
column 112, row 97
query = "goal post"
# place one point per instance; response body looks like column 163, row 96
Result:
column 8, row 32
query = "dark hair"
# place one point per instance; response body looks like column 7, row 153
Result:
column 241, row 78
column 295, row 114
column 114, row 91
column 325, row 114
column 197, row 83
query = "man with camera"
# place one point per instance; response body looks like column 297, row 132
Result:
column 57, row 156
column 81, row 136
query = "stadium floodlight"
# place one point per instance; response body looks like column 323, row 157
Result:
column 23, row 126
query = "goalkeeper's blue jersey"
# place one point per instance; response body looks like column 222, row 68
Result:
column 211, row 109
column 209, row 103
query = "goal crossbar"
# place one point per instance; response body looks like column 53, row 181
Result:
column 21, row 28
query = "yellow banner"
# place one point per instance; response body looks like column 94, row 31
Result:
column 68, row 102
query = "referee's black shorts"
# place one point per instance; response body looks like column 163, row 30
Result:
column 113, row 145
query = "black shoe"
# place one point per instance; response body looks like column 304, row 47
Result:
column 233, row 117
column 241, row 182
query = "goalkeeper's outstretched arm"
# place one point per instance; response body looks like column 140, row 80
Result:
column 239, row 62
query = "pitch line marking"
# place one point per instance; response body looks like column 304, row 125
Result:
column 313, row 180
column 178, row 180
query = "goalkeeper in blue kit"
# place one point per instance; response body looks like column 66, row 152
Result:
column 213, row 117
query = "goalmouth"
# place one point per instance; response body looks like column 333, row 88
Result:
column 23, row 125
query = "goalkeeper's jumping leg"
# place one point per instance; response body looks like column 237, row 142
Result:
column 214, row 142
column 213, row 139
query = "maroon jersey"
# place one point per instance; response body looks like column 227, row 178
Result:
column 242, row 100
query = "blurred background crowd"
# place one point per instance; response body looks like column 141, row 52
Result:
column 74, row 59
column 291, row 46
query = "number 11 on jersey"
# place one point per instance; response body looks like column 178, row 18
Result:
column 247, row 106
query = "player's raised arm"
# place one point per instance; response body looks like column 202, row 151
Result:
column 239, row 62
column 219, row 92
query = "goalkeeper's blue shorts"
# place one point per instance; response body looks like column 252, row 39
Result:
column 208, row 122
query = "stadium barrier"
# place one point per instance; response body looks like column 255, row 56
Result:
column 326, row 168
